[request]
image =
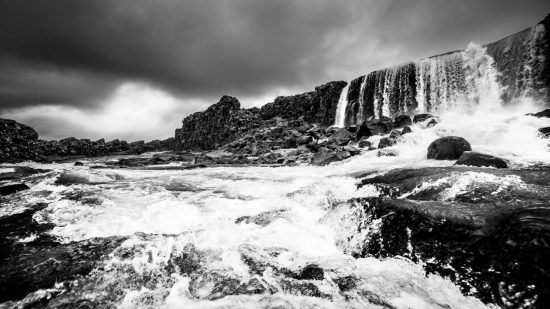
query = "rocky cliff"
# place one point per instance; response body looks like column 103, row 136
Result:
column 225, row 121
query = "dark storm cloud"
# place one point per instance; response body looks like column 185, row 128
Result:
column 77, row 52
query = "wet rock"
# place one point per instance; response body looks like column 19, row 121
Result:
column 381, row 126
column 431, row 123
column 545, row 132
column 421, row 117
column 402, row 120
column 479, row 159
column 395, row 134
column 341, row 137
column 324, row 157
column 264, row 218
column 364, row 143
column 78, row 163
column 386, row 142
column 311, row 272
column 67, row 179
column 386, row 153
column 13, row 188
column 543, row 114
column 448, row 148
column 406, row 130
column 500, row 255
column 40, row 265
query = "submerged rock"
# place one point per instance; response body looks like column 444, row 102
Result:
column 448, row 148
column 479, row 159
column 13, row 188
column 386, row 142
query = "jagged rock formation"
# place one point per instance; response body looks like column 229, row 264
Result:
column 225, row 121
column 18, row 142
column 217, row 125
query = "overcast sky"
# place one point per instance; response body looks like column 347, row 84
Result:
column 133, row 69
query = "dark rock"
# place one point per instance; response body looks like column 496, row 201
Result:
column 406, row 130
column 18, row 142
column 381, row 126
column 448, row 148
column 264, row 218
column 78, row 163
column 13, row 188
column 324, row 157
column 544, row 114
column 395, row 134
column 311, row 272
column 421, row 117
column 402, row 120
column 479, row 159
column 67, row 179
column 341, row 137
column 431, row 123
column 363, row 143
column 386, row 142
column 386, row 153
column 545, row 132
column 363, row 131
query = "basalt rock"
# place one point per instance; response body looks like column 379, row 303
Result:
column 402, row 120
column 218, row 124
column 448, row 148
column 479, row 159
column 18, row 142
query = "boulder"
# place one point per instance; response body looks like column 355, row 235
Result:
column 386, row 142
column 544, row 114
column 406, row 130
column 421, row 117
column 480, row 159
column 448, row 148
column 431, row 123
column 545, row 132
column 402, row 120
column 381, row 126
column 363, row 143
column 324, row 157
column 341, row 137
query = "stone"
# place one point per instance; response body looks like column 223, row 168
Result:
column 545, row 132
column 543, row 114
column 363, row 143
column 480, row 159
column 406, row 130
column 421, row 117
column 18, row 142
column 324, row 157
column 341, row 137
column 448, row 148
column 402, row 120
column 431, row 123
column 13, row 188
column 78, row 163
column 381, row 126
column 386, row 142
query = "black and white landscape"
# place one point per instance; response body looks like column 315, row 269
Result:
column 422, row 183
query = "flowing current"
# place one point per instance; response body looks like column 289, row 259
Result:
column 242, row 237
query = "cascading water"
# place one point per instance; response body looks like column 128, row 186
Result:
column 340, row 117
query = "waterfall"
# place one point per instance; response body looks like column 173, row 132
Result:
column 458, row 81
column 340, row 117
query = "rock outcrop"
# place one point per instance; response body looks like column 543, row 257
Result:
column 18, row 142
column 217, row 125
